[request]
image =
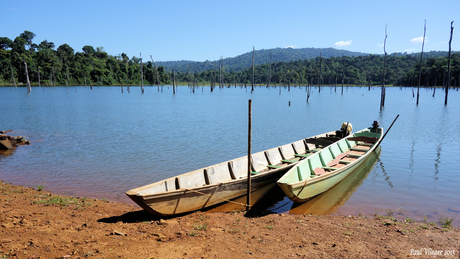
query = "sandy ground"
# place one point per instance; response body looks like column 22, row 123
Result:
column 39, row 224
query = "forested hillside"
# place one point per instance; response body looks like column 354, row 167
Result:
column 47, row 65
column 263, row 56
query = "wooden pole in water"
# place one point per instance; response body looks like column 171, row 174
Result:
column 421, row 63
column 156, row 71
column 382, row 96
column 38, row 76
column 248, row 202
column 387, row 131
column 12, row 76
column 29, row 89
column 142, row 74
column 252, row 88
column 448, row 64
column 174, row 82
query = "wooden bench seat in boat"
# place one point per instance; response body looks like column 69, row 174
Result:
column 288, row 154
column 359, row 149
column 274, row 158
column 354, row 155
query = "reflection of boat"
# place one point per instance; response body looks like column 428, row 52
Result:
column 215, row 184
column 328, row 201
column 324, row 169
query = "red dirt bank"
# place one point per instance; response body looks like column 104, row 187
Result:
column 38, row 224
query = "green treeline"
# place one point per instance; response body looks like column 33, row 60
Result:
column 64, row 66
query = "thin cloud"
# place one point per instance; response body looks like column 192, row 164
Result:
column 340, row 44
column 290, row 47
column 417, row 40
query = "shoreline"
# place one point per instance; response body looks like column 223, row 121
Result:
column 46, row 225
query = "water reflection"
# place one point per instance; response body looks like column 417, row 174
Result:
column 387, row 177
column 437, row 161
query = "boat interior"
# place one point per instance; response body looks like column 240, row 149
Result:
column 261, row 163
column 335, row 156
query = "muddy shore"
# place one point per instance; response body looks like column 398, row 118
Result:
column 39, row 224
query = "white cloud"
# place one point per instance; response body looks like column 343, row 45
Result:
column 290, row 47
column 418, row 40
column 342, row 43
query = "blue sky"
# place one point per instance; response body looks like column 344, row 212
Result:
column 206, row 30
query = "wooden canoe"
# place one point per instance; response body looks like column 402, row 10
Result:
column 327, row 167
column 219, row 183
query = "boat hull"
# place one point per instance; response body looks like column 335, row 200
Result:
column 183, row 201
column 303, row 189
column 223, row 182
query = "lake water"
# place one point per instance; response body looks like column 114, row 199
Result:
column 101, row 142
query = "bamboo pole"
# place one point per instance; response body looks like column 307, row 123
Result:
column 421, row 59
column 248, row 201
column 448, row 64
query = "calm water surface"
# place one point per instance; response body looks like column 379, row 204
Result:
column 100, row 143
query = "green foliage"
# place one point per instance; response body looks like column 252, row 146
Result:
column 57, row 66
column 60, row 201
column 284, row 66
column 202, row 226
column 446, row 222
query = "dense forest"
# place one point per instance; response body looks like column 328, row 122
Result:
column 46, row 65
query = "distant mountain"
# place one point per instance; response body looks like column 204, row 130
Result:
column 262, row 56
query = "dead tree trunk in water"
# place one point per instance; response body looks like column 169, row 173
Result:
column 382, row 96
column 12, row 76
column 343, row 71
column 174, row 82
column 320, row 79
column 142, row 74
column 38, row 76
column 270, row 71
column 448, row 64
column 29, row 89
column 252, row 88
column 67, row 75
column 156, row 71
column 421, row 59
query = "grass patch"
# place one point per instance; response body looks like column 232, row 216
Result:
column 409, row 220
column 60, row 201
column 202, row 226
column 423, row 226
column 389, row 212
column 270, row 227
column 446, row 222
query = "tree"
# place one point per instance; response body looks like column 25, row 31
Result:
column 5, row 43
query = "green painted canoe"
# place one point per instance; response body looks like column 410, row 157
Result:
column 327, row 167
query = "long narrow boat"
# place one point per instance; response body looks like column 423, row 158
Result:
column 327, row 167
column 218, row 183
